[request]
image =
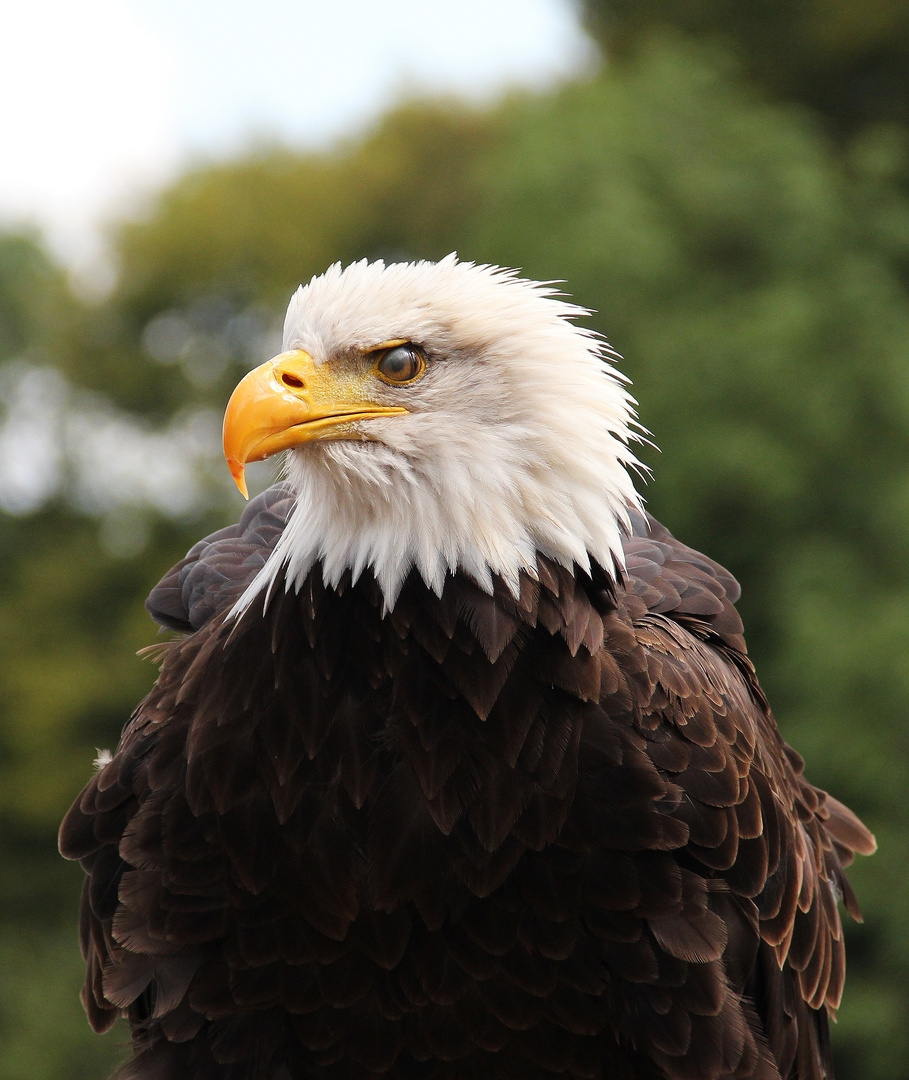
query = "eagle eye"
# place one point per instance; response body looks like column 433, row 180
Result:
column 402, row 364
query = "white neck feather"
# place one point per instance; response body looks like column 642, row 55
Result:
column 517, row 447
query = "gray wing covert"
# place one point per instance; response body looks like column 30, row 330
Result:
column 217, row 570
column 669, row 578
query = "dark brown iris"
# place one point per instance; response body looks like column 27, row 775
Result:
column 402, row 364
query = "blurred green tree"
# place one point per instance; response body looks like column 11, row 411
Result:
column 848, row 61
column 754, row 281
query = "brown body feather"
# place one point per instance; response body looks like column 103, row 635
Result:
column 476, row 836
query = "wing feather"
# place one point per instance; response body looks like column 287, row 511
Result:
column 756, row 827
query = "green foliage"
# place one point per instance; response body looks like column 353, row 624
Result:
column 753, row 276
column 44, row 1034
column 31, row 291
column 848, row 61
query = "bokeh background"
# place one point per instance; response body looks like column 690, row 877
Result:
column 725, row 182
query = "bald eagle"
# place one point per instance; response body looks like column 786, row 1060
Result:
column 459, row 768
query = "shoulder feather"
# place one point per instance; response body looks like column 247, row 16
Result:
column 217, row 570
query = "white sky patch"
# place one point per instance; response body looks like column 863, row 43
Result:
column 105, row 99
column 88, row 113
column 307, row 69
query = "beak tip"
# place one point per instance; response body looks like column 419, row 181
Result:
column 238, row 471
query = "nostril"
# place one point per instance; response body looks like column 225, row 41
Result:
column 291, row 380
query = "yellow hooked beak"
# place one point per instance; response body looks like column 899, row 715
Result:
column 289, row 401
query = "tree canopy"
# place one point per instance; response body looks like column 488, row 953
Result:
column 848, row 62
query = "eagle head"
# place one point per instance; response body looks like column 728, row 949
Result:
column 441, row 417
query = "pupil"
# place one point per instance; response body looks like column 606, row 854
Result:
column 399, row 364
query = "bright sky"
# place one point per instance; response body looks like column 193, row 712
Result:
column 106, row 99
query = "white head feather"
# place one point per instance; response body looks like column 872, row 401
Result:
column 515, row 444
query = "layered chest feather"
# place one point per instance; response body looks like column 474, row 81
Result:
column 437, row 742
